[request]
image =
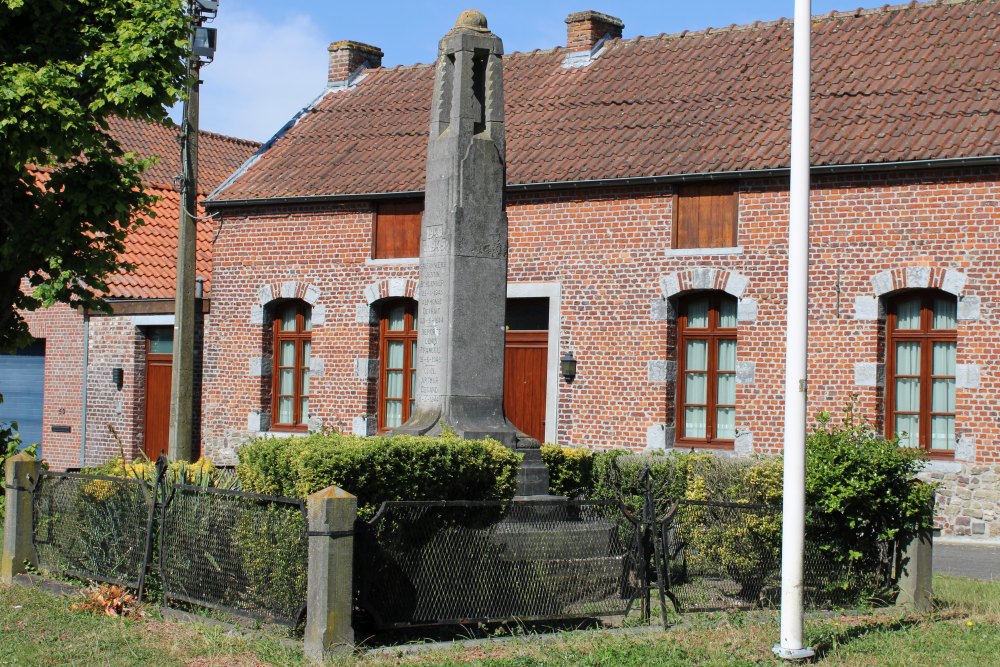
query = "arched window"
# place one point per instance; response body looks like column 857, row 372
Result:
column 292, row 348
column 706, row 370
column 397, row 362
column 921, row 342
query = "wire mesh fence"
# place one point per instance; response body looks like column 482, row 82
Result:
column 241, row 552
column 436, row 563
column 728, row 556
column 91, row 526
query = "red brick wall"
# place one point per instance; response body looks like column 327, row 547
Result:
column 606, row 249
column 62, row 329
column 114, row 342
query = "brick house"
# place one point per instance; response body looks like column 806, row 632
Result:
column 647, row 198
column 123, row 359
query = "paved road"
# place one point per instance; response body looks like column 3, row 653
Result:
column 977, row 561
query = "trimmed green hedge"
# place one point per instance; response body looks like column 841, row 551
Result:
column 398, row 467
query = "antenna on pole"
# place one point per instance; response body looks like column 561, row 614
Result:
column 793, row 522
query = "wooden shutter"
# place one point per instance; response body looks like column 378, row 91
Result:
column 705, row 215
column 397, row 229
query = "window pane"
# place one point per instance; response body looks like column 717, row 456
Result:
column 397, row 319
column 161, row 340
column 727, row 389
column 307, row 320
column 286, row 382
column 727, row 314
column 395, row 354
column 286, row 355
column 305, row 410
column 288, row 318
column 908, row 394
column 695, row 388
column 394, row 384
column 943, row 396
column 727, row 355
column 944, row 313
column 305, row 369
column 393, row 414
column 697, row 313
column 696, row 353
column 414, row 319
column 942, row 433
column 694, row 422
column 943, row 362
column 908, row 358
column 908, row 430
column 908, row 313
column 284, row 411
column 725, row 423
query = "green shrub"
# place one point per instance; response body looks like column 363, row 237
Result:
column 618, row 474
column 377, row 469
column 571, row 470
column 862, row 490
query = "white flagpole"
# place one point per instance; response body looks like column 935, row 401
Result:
column 796, row 348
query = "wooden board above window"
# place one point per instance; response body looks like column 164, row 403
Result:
column 397, row 229
column 705, row 215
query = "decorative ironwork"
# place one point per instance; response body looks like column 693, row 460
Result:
column 442, row 563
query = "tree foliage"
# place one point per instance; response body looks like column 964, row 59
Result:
column 69, row 193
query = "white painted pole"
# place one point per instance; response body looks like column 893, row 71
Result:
column 796, row 349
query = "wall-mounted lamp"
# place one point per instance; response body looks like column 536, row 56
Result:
column 567, row 366
column 118, row 377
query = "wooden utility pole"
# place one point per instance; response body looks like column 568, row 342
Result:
column 182, row 372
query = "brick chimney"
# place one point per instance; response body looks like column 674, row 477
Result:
column 585, row 29
column 348, row 57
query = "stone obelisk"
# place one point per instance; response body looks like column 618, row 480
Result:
column 463, row 253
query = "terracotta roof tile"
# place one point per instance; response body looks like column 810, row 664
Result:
column 152, row 248
column 912, row 82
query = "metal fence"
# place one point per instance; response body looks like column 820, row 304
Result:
column 240, row 552
column 92, row 527
column 720, row 555
column 438, row 563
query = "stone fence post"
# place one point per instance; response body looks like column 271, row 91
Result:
column 18, row 548
column 915, row 584
column 332, row 513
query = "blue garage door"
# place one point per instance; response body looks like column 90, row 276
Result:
column 22, row 377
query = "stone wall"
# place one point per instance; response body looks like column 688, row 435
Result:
column 968, row 500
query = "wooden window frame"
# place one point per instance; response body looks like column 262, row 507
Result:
column 378, row 206
column 299, row 336
column 408, row 336
column 926, row 335
column 681, row 191
column 713, row 334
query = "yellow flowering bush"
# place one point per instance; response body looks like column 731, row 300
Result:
column 200, row 473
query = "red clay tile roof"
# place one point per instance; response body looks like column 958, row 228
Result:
column 152, row 248
column 218, row 155
column 915, row 82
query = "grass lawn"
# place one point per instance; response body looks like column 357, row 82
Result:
column 37, row 628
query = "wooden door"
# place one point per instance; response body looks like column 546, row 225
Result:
column 524, row 381
column 159, row 358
